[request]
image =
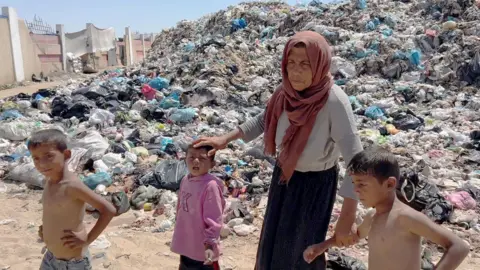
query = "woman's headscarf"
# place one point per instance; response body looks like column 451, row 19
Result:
column 301, row 107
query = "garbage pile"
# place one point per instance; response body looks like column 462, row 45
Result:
column 411, row 70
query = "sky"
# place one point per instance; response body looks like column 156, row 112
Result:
column 144, row 16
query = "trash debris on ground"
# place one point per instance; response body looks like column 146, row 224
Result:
column 411, row 70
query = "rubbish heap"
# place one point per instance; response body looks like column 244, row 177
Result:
column 411, row 70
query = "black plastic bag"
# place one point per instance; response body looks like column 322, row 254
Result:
column 340, row 261
column 406, row 122
column 424, row 197
column 167, row 175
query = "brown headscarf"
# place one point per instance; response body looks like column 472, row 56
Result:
column 301, row 107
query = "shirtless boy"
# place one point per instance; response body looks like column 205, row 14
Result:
column 64, row 200
column 394, row 240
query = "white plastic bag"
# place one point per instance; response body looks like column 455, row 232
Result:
column 91, row 140
column 101, row 117
column 77, row 154
column 112, row 159
column 16, row 130
column 27, row 173
column 100, row 166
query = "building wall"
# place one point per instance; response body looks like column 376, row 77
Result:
column 138, row 49
column 6, row 59
column 49, row 52
column 30, row 52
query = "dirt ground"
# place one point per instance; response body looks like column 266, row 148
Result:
column 130, row 248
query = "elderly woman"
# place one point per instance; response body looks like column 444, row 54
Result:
column 310, row 122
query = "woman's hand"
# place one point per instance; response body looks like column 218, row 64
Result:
column 217, row 143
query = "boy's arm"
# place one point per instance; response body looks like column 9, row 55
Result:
column 212, row 215
column 80, row 191
column 456, row 249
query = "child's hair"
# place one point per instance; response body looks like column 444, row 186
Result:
column 205, row 147
column 376, row 162
column 51, row 136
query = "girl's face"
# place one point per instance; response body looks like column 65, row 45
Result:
column 299, row 70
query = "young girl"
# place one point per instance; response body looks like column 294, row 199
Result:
column 199, row 214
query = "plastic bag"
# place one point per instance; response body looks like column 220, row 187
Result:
column 172, row 101
column 238, row 24
column 112, row 159
column 167, row 175
column 374, row 112
column 101, row 117
column 92, row 141
column 120, row 201
column 17, row 131
column 100, row 166
column 340, row 261
column 144, row 194
column 361, row 4
column 148, row 92
column 406, row 122
column 75, row 158
column 100, row 178
column 415, row 57
column 27, row 173
column 183, row 115
column 461, row 200
column 10, row 114
column 159, row 83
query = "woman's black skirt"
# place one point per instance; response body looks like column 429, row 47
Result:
column 297, row 216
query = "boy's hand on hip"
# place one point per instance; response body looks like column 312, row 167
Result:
column 346, row 235
column 209, row 257
column 74, row 240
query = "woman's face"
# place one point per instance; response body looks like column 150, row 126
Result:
column 298, row 69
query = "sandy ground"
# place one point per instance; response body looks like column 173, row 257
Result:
column 130, row 248
column 30, row 89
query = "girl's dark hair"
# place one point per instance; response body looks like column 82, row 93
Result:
column 376, row 162
column 205, row 147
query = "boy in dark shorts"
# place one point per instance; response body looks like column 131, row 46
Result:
column 64, row 201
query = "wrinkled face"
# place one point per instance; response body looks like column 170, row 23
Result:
column 370, row 191
column 298, row 69
column 198, row 161
column 49, row 161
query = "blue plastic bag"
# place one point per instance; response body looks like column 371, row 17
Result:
column 166, row 141
column 11, row 114
column 172, row 101
column 189, row 47
column 228, row 170
column 119, row 80
column 374, row 112
column 38, row 97
column 415, row 57
column 387, row 32
column 100, row 178
column 267, row 33
column 238, row 24
column 183, row 115
column 354, row 102
column 362, row 4
column 159, row 83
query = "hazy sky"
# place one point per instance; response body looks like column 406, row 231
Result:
column 145, row 16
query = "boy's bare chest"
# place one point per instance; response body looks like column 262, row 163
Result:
column 55, row 199
column 389, row 244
